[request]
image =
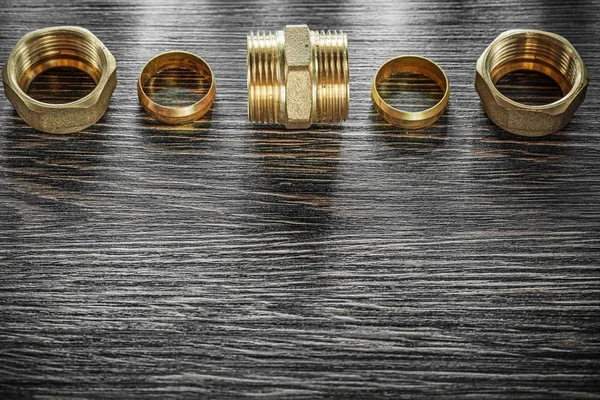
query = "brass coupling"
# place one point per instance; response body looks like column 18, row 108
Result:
column 297, row 77
column 64, row 46
column 532, row 50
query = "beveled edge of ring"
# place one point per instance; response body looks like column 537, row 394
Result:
column 176, row 115
column 414, row 119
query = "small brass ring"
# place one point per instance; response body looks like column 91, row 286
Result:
column 406, row 119
column 176, row 115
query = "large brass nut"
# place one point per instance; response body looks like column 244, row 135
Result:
column 539, row 51
column 298, row 85
column 48, row 48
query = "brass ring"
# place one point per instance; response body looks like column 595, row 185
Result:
column 405, row 119
column 62, row 46
column 533, row 50
column 176, row 115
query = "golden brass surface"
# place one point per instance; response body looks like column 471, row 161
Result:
column 531, row 50
column 406, row 119
column 297, row 77
column 64, row 46
column 176, row 115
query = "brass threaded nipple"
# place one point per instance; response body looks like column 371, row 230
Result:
column 297, row 77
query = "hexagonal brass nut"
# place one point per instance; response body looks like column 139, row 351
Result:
column 522, row 119
column 298, row 86
column 68, row 117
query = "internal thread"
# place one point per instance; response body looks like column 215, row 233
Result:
column 58, row 49
column 535, row 52
column 331, row 64
column 266, row 85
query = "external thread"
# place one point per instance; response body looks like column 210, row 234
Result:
column 331, row 63
column 266, row 85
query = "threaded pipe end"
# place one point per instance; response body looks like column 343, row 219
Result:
column 266, row 80
column 332, row 74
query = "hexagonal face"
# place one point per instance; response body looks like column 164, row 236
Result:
column 298, row 84
column 524, row 120
column 68, row 117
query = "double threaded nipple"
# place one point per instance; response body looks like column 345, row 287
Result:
column 297, row 77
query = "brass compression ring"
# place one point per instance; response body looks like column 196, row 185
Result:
column 406, row 119
column 63, row 46
column 176, row 115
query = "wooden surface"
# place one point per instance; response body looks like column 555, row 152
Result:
column 356, row 260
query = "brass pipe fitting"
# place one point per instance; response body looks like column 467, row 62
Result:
column 406, row 119
column 65, row 46
column 176, row 115
column 297, row 77
column 532, row 50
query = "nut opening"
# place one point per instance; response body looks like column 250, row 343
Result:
column 529, row 87
column 58, row 48
column 61, row 85
column 534, row 51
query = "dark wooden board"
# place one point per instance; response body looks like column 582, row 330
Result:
column 356, row 260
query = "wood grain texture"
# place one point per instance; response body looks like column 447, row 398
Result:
column 227, row 260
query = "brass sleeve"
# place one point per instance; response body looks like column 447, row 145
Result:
column 176, row 115
column 406, row 119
